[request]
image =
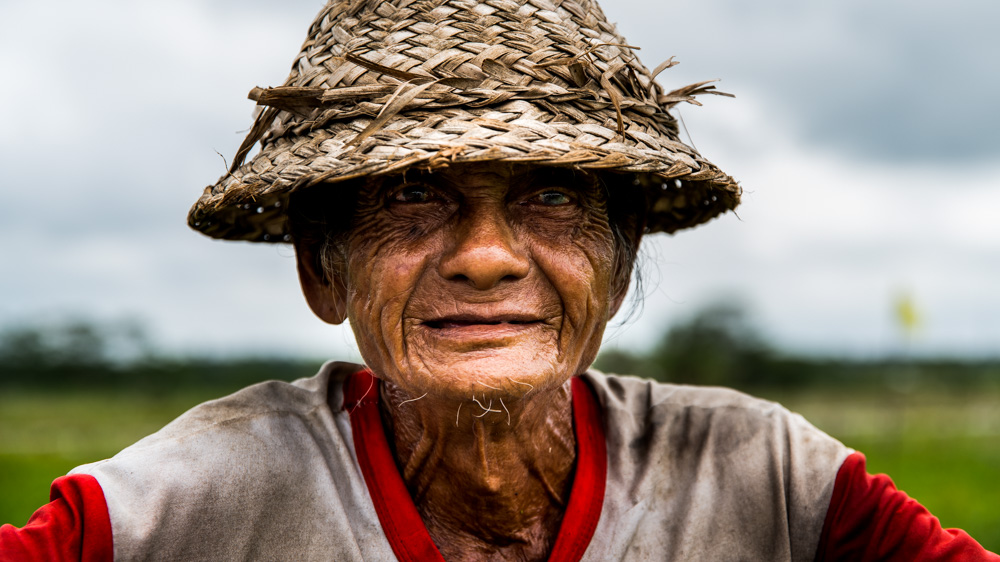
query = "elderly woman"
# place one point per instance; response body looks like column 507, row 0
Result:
column 468, row 183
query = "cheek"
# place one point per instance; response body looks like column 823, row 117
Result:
column 580, row 271
column 381, row 278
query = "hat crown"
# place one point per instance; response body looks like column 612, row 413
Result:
column 380, row 86
column 454, row 38
column 531, row 49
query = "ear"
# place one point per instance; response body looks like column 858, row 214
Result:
column 326, row 297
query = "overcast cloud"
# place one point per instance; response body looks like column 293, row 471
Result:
column 898, row 80
column 864, row 134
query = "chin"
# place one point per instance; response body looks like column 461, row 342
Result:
column 493, row 373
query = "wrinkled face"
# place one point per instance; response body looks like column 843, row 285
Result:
column 480, row 278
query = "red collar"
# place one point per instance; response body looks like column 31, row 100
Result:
column 397, row 513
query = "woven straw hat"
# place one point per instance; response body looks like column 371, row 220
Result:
column 385, row 85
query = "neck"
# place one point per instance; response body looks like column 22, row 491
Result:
column 490, row 476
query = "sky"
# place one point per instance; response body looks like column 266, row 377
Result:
column 865, row 136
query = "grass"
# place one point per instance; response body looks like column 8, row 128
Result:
column 941, row 448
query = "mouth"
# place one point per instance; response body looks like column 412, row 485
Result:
column 480, row 332
column 459, row 322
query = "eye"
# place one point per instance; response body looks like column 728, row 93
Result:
column 413, row 193
column 552, row 198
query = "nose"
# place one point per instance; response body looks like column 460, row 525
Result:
column 484, row 250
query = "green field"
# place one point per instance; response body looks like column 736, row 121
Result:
column 941, row 448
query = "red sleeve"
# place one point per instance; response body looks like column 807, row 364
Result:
column 74, row 526
column 869, row 519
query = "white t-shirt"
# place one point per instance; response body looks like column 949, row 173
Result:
column 271, row 473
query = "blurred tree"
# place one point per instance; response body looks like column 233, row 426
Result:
column 67, row 351
column 79, row 343
column 716, row 346
column 71, row 354
column 623, row 362
column 719, row 345
column 22, row 346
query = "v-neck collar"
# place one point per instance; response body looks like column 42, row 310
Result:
column 397, row 513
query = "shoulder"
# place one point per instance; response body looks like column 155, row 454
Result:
column 644, row 405
column 637, row 394
column 703, row 461
column 252, row 410
column 270, row 399
column 238, row 427
column 733, row 423
column 225, row 466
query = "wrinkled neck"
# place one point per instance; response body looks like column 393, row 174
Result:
column 491, row 474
